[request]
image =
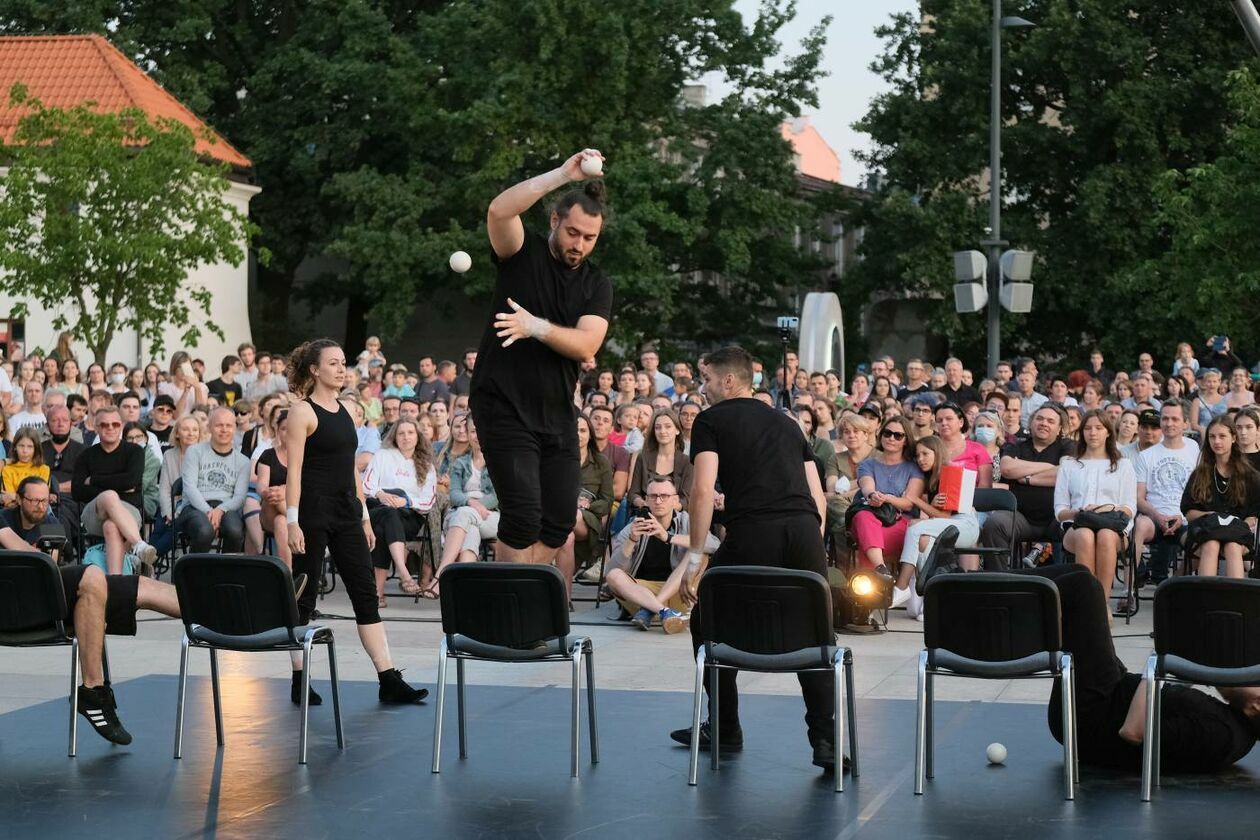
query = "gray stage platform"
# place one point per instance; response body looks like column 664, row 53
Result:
column 515, row 782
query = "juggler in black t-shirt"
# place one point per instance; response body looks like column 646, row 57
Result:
column 533, row 379
column 761, row 453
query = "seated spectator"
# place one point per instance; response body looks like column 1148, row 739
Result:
column 226, row 389
column 70, row 383
column 1221, row 503
column 1247, row 427
column 954, row 389
column 431, row 388
column 1175, row 386
column 108, row 484
column 390, row 408
column 595, row 498
column 859, row 389
column 662, row 456
column 1093, row 395
column 1029, row 399
column 162, row 419
column 1127, row 437
column 400, row 484
column 627, row 383
column 1059, row 391
column 841, row 479
column 1143, row 387
column 129, row 407
column 821, row 446
column 97, row 604
column 476, row 509
column 369, row 439
column 134, row 433
column 1030, row 469
column 644, row 385
column 26, row 459
column 1162, row 473
column 1074, row 416
column 1210, row 402
column 687, row 413
column 411, row 409
column 215, row 479
column 921, row 415
column 988, row 432
column 371, row 404
column 825, row 414
column 930, row 454
column 262, row 435
column 1240, row 394
column 1013, row 420
column 183, row 387
column 1095, row 479
column 439, row 416
column 266, row 504
column 117, row 379
column 186, row 435
column 888, row 477
column 951, row 428
column 245, row 420
column 60, row 452
column 1185, row 358
column 32, row 413
column 627, row 434
column 149, row 387
column 646, row 567
column 617, row 457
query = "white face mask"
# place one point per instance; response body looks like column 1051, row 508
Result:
column 117, row 378
column 756, row 379
column 986, row 434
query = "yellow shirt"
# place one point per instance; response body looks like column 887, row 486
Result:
column 13, row 474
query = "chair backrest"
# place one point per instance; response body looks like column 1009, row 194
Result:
column 31, row 595
column 1211, row 621
column 504, row 604
column 765, row 610
column 989, row 499
column 992, row 617
column 235, row 594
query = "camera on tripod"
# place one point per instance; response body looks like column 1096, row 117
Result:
column 788, row 326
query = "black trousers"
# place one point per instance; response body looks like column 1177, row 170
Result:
column 535, row 475
column 1198, row 733
column 793, row 542
column 392, row 525
column 335, row 523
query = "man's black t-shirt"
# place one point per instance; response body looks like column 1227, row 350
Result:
column 227, row 392
column 908, row 391
column 656, row 563
column 433, row 391
column 1036, row 503
column 61, row 464
column 460, row 386
column 163, row 436
column 761, row 453
column 12, row 518
column 961, row 395
column 529, row 376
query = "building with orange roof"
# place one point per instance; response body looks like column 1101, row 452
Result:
column 63, row 71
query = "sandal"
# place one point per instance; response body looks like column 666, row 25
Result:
column 409, row 586
column 430, row 592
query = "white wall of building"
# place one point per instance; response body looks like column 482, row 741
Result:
column 229, row 309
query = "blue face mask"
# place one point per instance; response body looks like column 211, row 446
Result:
column 986, row 434
column 756, row 379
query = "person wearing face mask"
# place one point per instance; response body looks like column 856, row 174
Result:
column 117, row 378
column 986, row 432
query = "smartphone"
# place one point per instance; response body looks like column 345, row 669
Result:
column 640, row 513
column 1218, row 343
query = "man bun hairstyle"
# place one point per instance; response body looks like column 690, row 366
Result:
column 592, row 197
column 733, row 359
column 301, row 381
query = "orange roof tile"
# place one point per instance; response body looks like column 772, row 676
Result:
column 66, row 70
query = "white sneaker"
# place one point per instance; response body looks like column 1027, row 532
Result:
column 914, row 607
column 900, row 596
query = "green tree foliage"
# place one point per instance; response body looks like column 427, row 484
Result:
column 380, row 131
column 1099, row 103
column 103, row 216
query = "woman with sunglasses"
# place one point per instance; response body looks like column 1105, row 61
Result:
column 888, row 477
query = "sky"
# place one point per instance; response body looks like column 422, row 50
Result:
column 851, row 46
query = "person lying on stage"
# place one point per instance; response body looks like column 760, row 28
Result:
column 647, row 568
column 1198, row 733
column 97, row 604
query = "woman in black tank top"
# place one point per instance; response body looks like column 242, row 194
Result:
column 325, row 508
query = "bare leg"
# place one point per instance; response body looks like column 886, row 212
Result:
column 566, row 564
column 377, row 646
column 1233, row 560
column 625, row 588
column 157, row 596
column 398, row 552
column 253, row 526
column 1209, row 555
column 115, row 547
column 279, row 525
column 381, row 575
column 1134, row 728
column 109, row 506
column 1143, row 532
column 1080, row 541
column 89, row 625
column 451, row 546
column 1106, row 549
column 875, row 556
column 673, row 584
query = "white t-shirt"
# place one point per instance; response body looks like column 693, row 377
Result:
column 6, row 384
column 24, row 418
column 1165, row 472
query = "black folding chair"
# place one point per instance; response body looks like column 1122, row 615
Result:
column 510, row 612
column 775, row 621
column 245, row 603
column 33, row 613
column 1207, row 631
column 992, row 500
column 995, row 627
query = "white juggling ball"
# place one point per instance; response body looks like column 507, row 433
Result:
column 996, row 753
column 460, row 262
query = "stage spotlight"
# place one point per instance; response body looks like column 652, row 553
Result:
column 855, row 599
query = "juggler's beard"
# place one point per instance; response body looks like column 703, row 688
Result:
column 570, row 258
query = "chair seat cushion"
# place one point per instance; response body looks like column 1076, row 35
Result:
column 276, row 638
column 1036, row 663
column 545, row 649
column 1184, row 669
column 35, row 637
column 795, row 660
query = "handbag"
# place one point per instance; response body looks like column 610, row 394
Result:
column 1102, row 520
column 885, row 513
column 1218, row 527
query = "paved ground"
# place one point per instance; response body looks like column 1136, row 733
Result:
column 626, row 658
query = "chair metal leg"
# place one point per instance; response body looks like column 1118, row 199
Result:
column 307, row 664
column 183, row 690
column 74, row 698
column 714, row 715
column 218, row 702
column 336, row 692
column 1157, row 744
column 930, row 759
column 696, row 702
column 1069, row 726
column 575, row 722
column 851, row 695
column 105, row 663
column 920, row 726
column 1152, row 722
column 837, row 670
column 590, row 702
column 1076, row 741
column 459, row 697
column 441, row 705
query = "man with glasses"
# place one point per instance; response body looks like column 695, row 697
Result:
column 129, row 408
column 107, row 484
column 97, row 604
column 1030, row 467
column 921, row 416
column 916, row 380
column 647, row 568
column 1163, row 471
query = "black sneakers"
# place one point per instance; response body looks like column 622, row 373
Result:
column 98, row 706
column 295, row 692
column 394, row 689
column 731, row 741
